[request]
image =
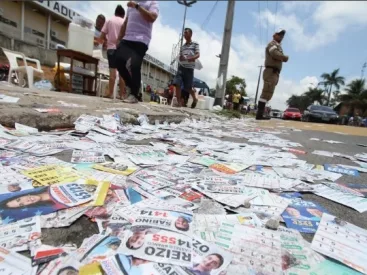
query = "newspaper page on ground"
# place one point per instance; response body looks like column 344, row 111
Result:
column 342, row 241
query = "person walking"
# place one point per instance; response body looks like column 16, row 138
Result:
column 135, row 36
column 274, row 58
column 189, row 52
column 110, row 33
column 100, row 20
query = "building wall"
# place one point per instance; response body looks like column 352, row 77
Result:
column 59, row 33
column 10, row 18
column 35, row 34
column 35, row 25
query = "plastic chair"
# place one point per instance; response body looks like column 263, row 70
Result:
column 21, row 70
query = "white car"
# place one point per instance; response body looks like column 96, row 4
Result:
column 275, row 113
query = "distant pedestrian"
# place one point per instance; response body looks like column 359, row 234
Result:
column 110, row 33
column 136, row 33
column 274, row 58
column 97, row 31
column 189, row 52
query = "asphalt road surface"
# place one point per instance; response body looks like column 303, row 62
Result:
column 83, row 228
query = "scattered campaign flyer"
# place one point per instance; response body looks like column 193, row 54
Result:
column 167, row 220
column 114, row 226
column 150, row 180
column 175, row 197
column 157, row 245
column 63, row 218
column 228, row 168
column 356, row 202
column 355, row 189
column 12, row 262
column 43, row 200
column 255, row 250
column 52, row 174
column 208, row 258
column 341, row 170
column 302, row 215
column 97, row 248
column 79, row 156
column 62, row 265
column 342, row 241
column 123, row 168
column 15, row 236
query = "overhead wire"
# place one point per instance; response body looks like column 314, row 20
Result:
column 267, row 19
column 207, row 19
column 275, row 16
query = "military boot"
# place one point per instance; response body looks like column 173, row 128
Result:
column 260, row 111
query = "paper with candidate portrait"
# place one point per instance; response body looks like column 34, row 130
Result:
column 167, row 220
column 157, row 245
column 302, row 215
column 43, row 200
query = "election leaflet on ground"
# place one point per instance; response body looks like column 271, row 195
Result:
column 342, row 241
column 158, row 245
column 254, row 250
column 302, row 215
column 43, row 200
column 79, row 156
column 123, row 168
column 15, row 236
column 167, row 220
column 52, row 174
column 14, row 263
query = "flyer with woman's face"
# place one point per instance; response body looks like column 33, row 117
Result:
column 44, row 200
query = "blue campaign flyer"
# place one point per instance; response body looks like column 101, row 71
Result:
column 303, row 216
column 341, row 170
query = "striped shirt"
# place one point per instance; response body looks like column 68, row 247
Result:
column 188, row 50
column 138, row 29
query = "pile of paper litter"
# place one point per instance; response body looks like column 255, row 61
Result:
column 186, row 202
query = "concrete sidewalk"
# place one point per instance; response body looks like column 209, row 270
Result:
column 23, row 111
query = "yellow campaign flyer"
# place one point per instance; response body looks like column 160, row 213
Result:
column 116, row 168
column 101, row 188
column 51, row 174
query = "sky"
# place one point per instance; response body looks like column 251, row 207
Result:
column 321, row 37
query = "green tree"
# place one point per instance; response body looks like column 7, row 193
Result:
column 356, row 96
column 299, row 101
column 315, row 94
column 333, row 79
column 234, row 84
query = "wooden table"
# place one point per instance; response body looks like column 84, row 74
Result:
column 85, row 59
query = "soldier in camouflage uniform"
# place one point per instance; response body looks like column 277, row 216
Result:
column 274, row 57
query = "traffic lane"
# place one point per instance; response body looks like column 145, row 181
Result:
column 313, row 126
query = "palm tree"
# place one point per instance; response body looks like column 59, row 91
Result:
column 356, row 95
column 315, row 94
column 299, row 101
column 333, row 79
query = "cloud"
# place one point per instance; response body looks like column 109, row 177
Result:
column 246, row 54
column 329, row 19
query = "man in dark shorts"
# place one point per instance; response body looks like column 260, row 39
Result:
column 110, row 32
column 189, row 52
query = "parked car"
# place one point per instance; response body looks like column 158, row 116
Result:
column 292, row 113
column 276, row 113
column 320, row 113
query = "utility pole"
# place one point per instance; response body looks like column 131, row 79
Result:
column 362, row 71
column 224, row 56
column 258, row 83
